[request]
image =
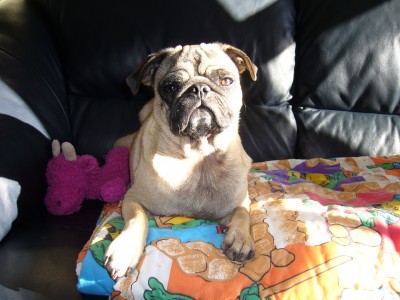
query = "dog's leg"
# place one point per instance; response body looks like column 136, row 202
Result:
column 124, row 252
column 125, row 141
column 238, row 244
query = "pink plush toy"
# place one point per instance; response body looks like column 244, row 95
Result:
column 72, row 178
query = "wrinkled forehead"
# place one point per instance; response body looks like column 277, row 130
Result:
column 198, row 60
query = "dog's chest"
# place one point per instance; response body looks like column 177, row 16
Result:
column 206, row 188
column 191, row 174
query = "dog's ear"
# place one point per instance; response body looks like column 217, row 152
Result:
column 242, row 61
column 146, row 71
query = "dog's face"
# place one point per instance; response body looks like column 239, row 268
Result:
column 198, row 86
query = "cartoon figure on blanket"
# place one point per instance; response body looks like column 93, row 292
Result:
column 72, row 178
column 290, row 223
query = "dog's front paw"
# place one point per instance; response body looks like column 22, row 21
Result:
column 122, row 256
column 238, row 245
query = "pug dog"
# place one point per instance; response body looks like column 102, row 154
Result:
column 187, row 158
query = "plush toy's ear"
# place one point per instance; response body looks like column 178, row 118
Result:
column 69, row 151
column 242, row 61
column 55, row 148
column 146, row 71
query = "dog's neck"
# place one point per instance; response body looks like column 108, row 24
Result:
column 182, row 147
column 203, row 146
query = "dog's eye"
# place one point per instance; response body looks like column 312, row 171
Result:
column 171, row 87
column 226, row 81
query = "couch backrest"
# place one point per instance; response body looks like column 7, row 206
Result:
column 329, row 71
column 347, row 86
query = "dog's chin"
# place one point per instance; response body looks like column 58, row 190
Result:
column 201, row 123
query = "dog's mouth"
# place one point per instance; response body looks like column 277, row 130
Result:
column 195, row 123
column 201, row 123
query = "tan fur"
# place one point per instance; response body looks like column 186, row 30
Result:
column 175, row 175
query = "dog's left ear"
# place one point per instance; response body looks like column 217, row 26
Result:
column 242, row 61
column 146, row 71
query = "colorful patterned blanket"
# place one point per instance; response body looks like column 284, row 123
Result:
column 323, row 229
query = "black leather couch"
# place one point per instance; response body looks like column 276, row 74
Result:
column 329, row 86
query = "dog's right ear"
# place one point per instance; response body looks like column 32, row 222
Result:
column 146, row 71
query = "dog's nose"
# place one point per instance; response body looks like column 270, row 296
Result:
column 200, row 89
